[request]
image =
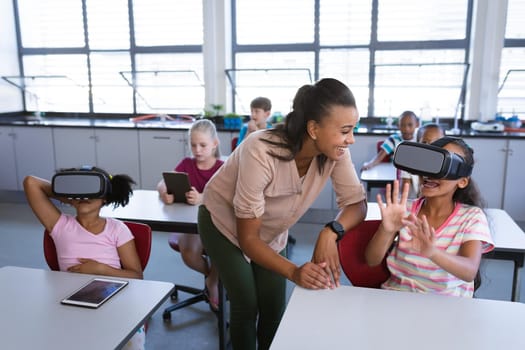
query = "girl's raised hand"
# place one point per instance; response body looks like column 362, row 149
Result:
column 423, row 235
column 393, row 211
column 312, row 276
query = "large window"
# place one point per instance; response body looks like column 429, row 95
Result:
column 95, row 56
column 394, row 55
column 511, row 96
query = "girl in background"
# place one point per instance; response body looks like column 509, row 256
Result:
column 204, row 144
column 87, row 242
column 441, row 235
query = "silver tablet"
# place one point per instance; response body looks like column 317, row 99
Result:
column 95, row 293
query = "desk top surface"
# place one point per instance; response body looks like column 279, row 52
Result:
column 33, row 318
column 145, row 206
column 363, row 318
column 380, row 172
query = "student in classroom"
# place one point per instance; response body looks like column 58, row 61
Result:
column 86, row 242
column 408, row 123
column 427, row 134
column 204, row 144
column 266, row 185
column 440, row 236
column 260, row 110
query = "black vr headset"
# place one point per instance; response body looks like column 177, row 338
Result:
column 431, row 160
column 82, row 183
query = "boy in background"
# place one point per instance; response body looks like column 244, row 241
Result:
column 408, row 123
column 260, row 110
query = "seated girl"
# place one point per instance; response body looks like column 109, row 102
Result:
column 440, row 236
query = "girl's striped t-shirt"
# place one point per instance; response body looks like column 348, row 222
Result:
column 413, row 272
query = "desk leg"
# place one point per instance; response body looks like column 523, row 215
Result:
column 223, row 319
column 516, row 282
column 518, row 258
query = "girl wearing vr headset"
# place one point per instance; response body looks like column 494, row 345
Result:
column 440, row 236
column 87, row 242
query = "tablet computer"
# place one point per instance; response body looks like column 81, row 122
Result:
column 177, row 184
column 95, row 293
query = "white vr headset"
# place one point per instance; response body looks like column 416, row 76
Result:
column 431, row 161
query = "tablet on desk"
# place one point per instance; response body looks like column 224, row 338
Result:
column 177, row 184
column 95, row 293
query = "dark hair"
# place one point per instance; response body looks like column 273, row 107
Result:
column 409, row 114
column 469, row 194
column 120, row 190
column 311, row 102
column 261, row 102
column 426, row 127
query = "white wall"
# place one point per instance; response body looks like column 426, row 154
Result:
column 10, row 96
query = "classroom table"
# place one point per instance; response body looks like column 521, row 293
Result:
column 364, row 318
column 379, row 175
column 32, row 316
column 509, row 241
column 145, row 206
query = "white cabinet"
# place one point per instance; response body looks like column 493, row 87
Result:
column 25, row 151
column 8, row 179
column 114, row 150
column 117, row 151
column 74, row 147
column 160, row 150
column 498, row 172
column 225, row 139
column 514, row 194
column 489, row 168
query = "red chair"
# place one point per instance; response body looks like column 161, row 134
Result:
column 388, row 158
column 141, row 232
column 352, row 256
column 199, row 294
column 234, row 143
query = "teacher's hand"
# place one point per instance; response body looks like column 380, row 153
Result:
column 326, row 252
column 312, row 276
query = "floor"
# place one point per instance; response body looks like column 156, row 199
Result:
column 194, row 327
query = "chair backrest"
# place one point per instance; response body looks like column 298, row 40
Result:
column 352, row 256
column 141, row 232
column 388, row 158
column 234, row 142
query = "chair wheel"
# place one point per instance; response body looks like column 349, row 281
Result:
column 166, row 316
column 174, row 296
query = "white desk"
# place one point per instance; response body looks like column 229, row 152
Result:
column 145, row 206
column 33, row 318
column 379, row 175
column 363, row 318
column 509, row 240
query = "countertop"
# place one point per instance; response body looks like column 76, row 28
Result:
column 184, row 124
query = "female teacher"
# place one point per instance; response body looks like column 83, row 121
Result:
column 264, row 187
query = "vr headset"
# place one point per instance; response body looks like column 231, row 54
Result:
column 431, row 161
column 83, row 183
